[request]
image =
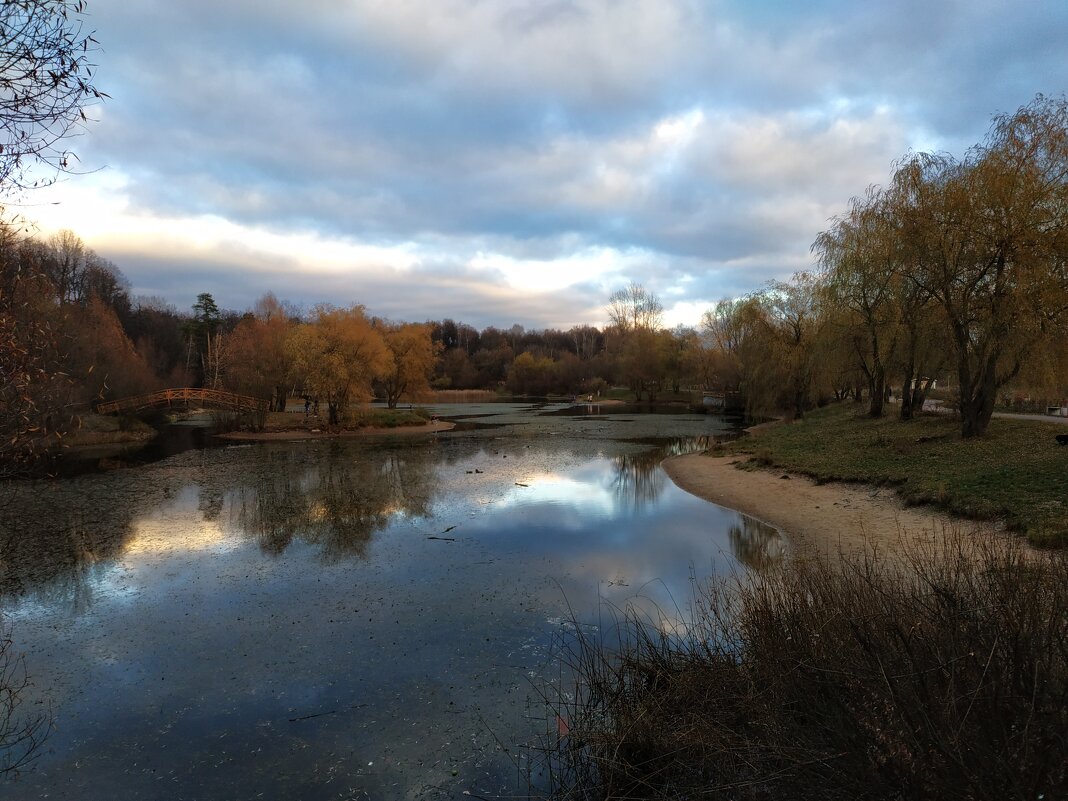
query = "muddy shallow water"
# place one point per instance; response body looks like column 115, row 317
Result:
column 347, row 619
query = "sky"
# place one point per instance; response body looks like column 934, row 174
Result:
column 517, row 161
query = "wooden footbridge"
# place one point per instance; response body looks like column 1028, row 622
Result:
column 184, row 397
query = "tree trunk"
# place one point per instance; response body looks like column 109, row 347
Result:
column 907, row 394
column 919, row 395
column 799, row 394
column 878, row 392
column 971, row 423
column 977, row 400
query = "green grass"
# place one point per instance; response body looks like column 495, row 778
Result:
column 617, row 393
column 388, row 418
column 1016, row 473
column 355, row 418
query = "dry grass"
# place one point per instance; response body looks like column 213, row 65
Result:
column 944, row 676
column 459, row 396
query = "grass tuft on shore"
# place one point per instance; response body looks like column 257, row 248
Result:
column 366, row 417
column 388, row 418
column 1016, row 473
column 942, row 675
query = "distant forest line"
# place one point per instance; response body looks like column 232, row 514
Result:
column 956, row 270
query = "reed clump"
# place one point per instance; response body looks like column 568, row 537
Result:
column 943, row 674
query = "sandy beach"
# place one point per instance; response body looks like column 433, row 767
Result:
column 828, row 517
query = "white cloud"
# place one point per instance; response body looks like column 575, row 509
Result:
column 531, row 154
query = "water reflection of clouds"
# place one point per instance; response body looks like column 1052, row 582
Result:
column 578, row 495
column 600, row 486
column 620, row 551
column 180, row 531
column 605, row 516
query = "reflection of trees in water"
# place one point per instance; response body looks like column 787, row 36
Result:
column 55, row 536
column 53, row 533
column 638, row 480
column 336, row 503
column 210, row 502
column 756, row 544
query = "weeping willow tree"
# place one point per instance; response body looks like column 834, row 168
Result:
column 989, row 239
column 783, row 348
column 859, row 256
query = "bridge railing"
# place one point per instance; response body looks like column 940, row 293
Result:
column 185, row 396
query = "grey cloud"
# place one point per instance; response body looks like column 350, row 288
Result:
column 526, row 128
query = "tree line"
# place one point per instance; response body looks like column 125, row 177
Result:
column 956, row 269
column 72, row 334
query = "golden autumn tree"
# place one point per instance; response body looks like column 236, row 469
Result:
column 254, row 356
column 337, row 355
column 100, row 355
column 725, row 328
column 414, row 355
column 34, row 390
column 643, row 361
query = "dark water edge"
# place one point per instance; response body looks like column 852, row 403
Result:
column 171, row 439
column 343, row 619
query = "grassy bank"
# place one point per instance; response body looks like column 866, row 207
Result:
column 353, row 418
column 941, row 677
column 1016, row 473
column 107, row 429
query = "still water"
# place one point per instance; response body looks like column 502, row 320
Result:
column 343, row 619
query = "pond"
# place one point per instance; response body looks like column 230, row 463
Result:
column 342, row 619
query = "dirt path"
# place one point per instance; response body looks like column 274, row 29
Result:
column 825, row 516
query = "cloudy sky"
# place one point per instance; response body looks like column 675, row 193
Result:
column 504, row 161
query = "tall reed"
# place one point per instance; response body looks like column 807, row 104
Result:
column 943, row 674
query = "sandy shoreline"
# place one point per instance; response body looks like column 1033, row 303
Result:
column 825, row 516
column 347, row 433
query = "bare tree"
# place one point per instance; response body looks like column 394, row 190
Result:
column 635, row 308
column 21, row 731
column 46, row 81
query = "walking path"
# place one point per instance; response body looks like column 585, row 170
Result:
column 939, row 407
column 1040, row 418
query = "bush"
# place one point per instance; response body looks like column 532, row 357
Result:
column 940, row 675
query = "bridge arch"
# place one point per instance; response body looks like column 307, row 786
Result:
column 184, row 397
